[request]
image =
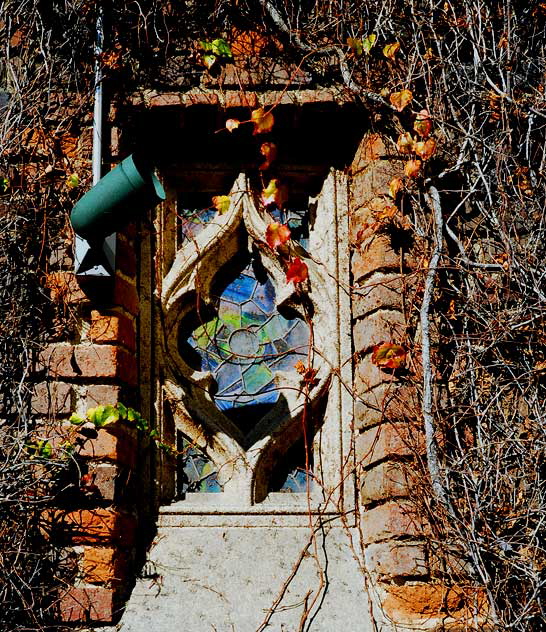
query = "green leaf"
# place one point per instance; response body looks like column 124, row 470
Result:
column 355, row 45
column 209, row 60
column 205, row 45
column 73, row 180
column 45, row 449
column 368, row 42
column 131, row 414
column 110, row 415
column 4, row 184
column 221, row 48
column 154, row 434
column 122, row 410
column 77, row 420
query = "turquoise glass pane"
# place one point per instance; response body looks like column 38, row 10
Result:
column 246, row 342
column 197, row 471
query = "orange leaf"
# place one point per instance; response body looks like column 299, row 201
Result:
column 412, row 168
column 425, row 149
column 232, row 124
column 395, row 186
column 263, row 121
column 390, row 50
column 269, row 152
column 423, row 124
column 276, row 235
column 221, row 203
column 274, row 194
column 404, row 144
column 400, row 99
column 387, row 355
column 297, row 271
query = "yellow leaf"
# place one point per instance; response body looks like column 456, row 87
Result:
column 423, row 124
column 263, row 121
column 400, row 99
column 390, row 50
column 394, row 187
column 405, row 142
column 274, row 194
column 412, row 168
column 368, row 42
column 221, row 203
column 425, row 149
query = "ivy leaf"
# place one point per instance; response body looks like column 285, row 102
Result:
column 425, row 149
column 308, row 373
column 206, row 46
column 263, row 121
column 73, row 180
column 405, row 142
column 368, row 42
column 401, row 99
column 77, row 420
column 221, row 203
column 209, row 60
column 274, row 194
column 276, row 235
column 232, row 124
column 122, row 410
column 355, row 45
column 269, row 152
column 412, row 168
column 4, row 184
column 221, row 48
column 103, row 415
column 390, row 50
column 423, row 124
column 387, row 355
column 297, row 271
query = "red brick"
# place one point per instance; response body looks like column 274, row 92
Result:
column 109, row 328
column 52, row 398
column 389, row 479
column 236, row 99
column 89, row 526
column 87, row 603
column 126, row 295
column 102, row 565
column 112, row 480
column 115, row 442
column 393, row 519
column 381, row 326
column 58, row 360
column 397, row 559
column 64, row 288
column 387, row 441
column 106, row 394
column 381, row 290
column 105, row 361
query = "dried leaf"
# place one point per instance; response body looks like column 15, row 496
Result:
column 355, row 45
column 276, row 235
column 401, row 99
column 405, row 142
column 269, row 152
column 412, row 168
column 423, row 124
column 297, row 271
column 274, row 194
column 390, row 50
column 221, row 203
column 425, row 149
column 388, row 355
column 395, row 187
column 263, row 121
column 232, row 124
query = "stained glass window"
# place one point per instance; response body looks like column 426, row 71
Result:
column 247, row 341
column 197, row 472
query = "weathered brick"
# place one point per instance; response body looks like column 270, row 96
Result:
column 391, row 520
column 375, row 254
column 115, row 442
column 237, row 99
column 381, row 326
column 379, row 291
column 64, row 287
column 102, row 565
column 106, row 394
column 397, row 559
column 387, row 441
column 87, row 603
column 52, row 398
column 105, row 361
column 387, row 402
column 368, row 376
column 110, row 328
column 112, row 480
column 389, row 479
column 126, row 295
column 89, row 526
column 57, row 359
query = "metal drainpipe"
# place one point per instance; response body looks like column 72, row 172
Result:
column 96, row 261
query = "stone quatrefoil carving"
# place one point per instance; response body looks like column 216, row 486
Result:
column 233, row 329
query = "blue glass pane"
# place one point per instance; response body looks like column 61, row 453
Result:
column 197, row 472
column 297, row 220
column 192, row 221
column 247, row 342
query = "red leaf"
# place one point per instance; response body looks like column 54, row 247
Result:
column 297, row 271
column 388, row 355
column 276, row 235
